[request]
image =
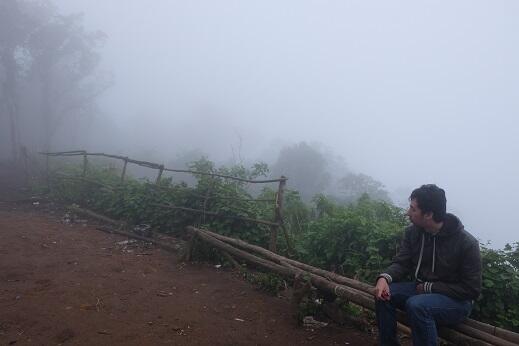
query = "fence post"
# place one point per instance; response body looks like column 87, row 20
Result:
column 25, row 158
column 206, row 199
column 85, row 163
column 161, row 169
column 278, row 218
column 124, row 169
column 47, row 170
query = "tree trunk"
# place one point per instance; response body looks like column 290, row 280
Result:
column 11, row 103
column 46, row 115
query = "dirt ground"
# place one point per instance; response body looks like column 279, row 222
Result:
column 67, row 283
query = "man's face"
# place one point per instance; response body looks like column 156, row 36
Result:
column 415, row 214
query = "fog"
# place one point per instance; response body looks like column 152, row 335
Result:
column 406, row 92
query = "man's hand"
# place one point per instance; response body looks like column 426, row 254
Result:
column 382, row 290
column 419, row 289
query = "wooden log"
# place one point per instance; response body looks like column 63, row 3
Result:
column 457, row 338
column 277, row 258
column 157, row 243
column 95, row 215
column 482, row 335
column 258, row 261
column 231, row 260
column 120, row 225
column 493, row 330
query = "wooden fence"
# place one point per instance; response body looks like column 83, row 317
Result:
column 274, row 225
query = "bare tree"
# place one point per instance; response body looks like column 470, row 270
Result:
column 64, row 62
column 49, row 59
column 11, row 34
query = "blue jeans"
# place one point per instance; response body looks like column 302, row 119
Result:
column 424, row 312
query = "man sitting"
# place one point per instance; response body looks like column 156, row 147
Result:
column 445, row 261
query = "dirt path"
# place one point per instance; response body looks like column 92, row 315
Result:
column 71, row 284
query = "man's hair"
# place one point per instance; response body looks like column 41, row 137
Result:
column 431, row 198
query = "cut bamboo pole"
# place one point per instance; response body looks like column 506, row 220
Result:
column 157, row 243
column 482, row 335
column 284, row 271
column 277, row 258
column 493, row 330
column 231, row 260
column 96, row 216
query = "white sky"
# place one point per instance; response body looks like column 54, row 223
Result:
column 410, row 92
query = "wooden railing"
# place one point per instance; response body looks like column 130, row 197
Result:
column 275, row 225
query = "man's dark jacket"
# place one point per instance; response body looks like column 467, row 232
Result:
column 450, row 261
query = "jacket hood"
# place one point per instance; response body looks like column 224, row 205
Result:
column 451, row 226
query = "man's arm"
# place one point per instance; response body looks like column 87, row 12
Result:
column 401, row 264
column 469, row 285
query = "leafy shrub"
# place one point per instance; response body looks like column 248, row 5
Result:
column 357, row 240
column 268, row 282
column 499, row 301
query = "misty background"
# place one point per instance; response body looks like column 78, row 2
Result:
column 390, row 94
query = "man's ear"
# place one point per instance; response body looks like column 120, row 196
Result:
column 428, row 215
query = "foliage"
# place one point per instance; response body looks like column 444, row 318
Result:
column 357, row 239
column 268, row 282
column 352, row 186
column 499, row 301
column 140, row 201
column 307, row 167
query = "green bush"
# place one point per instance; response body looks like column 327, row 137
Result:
column 499, row 301
column 357, row 240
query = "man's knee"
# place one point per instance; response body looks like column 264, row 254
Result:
column 416, row 306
